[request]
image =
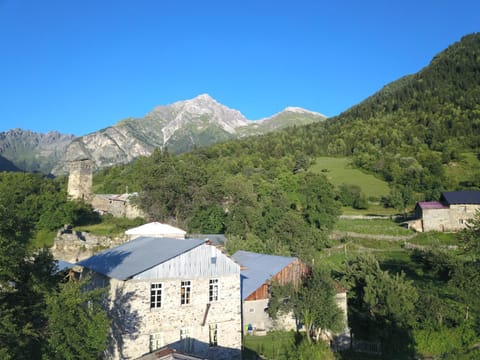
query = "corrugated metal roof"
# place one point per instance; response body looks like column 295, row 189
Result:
column 258, row 269
column 136, row 256
column 155, row 228
column 217, row 239
column 461, row 197
column 63, row 265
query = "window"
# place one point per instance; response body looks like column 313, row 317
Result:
column 156, row 341
column 213, row 332
column 185, row 292
column 155, row 295
column 213, row 290
column 186, row 341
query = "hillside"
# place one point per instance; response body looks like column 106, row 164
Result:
column 438, row 106
column 7, row 165
column 422, row 121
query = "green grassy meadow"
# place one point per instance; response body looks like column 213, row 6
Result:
column 372, row 226
column 339, row 171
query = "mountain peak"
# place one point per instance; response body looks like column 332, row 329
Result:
column 301, row 111
column 204, row 97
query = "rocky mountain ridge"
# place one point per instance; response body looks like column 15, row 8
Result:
column 179, row 126
column 30, row 151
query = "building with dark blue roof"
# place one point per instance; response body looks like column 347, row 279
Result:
column 452, row 212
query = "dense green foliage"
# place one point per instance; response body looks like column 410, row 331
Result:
column 312, row 303
column 262, row 204
column 28, row 277
column 77, row 325
column 409, row 129
column 282, row 345
column 421, row 299
column 382, row 304
column 32, row 202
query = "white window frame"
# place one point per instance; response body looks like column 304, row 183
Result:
column 213, row 290
column 185, row 292
column 156, row 341
column 213, row 335
column 186, row 340
column 156, row 292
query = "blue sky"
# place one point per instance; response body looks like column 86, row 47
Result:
column 77, row 66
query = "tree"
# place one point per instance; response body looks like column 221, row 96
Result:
column 25, row 281
column 313, row 304
column 77, row 323
column 381, row 306
column 316, row 306
column 400, row 197
column 470, row 237
column 318, row 203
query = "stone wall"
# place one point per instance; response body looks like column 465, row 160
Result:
column 116, row 205
column 74, row 246
column 454, row 218
column 80, row 179
column 134, row 322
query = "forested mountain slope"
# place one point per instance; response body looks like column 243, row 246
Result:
column 418, row 122
column 439, row 106
column 409, row 133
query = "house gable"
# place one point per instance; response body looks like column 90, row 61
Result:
column 259, row 269
column 137, row 256
column 170, row 292
column 202, row 261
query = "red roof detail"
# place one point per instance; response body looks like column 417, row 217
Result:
column 431, row 205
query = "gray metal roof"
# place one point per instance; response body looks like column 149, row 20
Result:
column 258, row 269
column 63, row 265
column 461, row 197
column 136, row 256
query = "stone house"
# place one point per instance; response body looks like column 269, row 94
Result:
column 184, row 294
column 118, row 205
column 450, row 213
column 80, row 188
column 258, row 271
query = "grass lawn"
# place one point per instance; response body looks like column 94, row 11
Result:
column 43, row 238
column 340, row 171
column 435, row 239
column 372, row 226
column 111, row 226
column 374, row 209
column 274, row 345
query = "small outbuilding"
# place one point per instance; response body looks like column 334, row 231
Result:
column 157, row 230
column 258, row 271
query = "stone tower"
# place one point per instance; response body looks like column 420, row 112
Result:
column 80, row 179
